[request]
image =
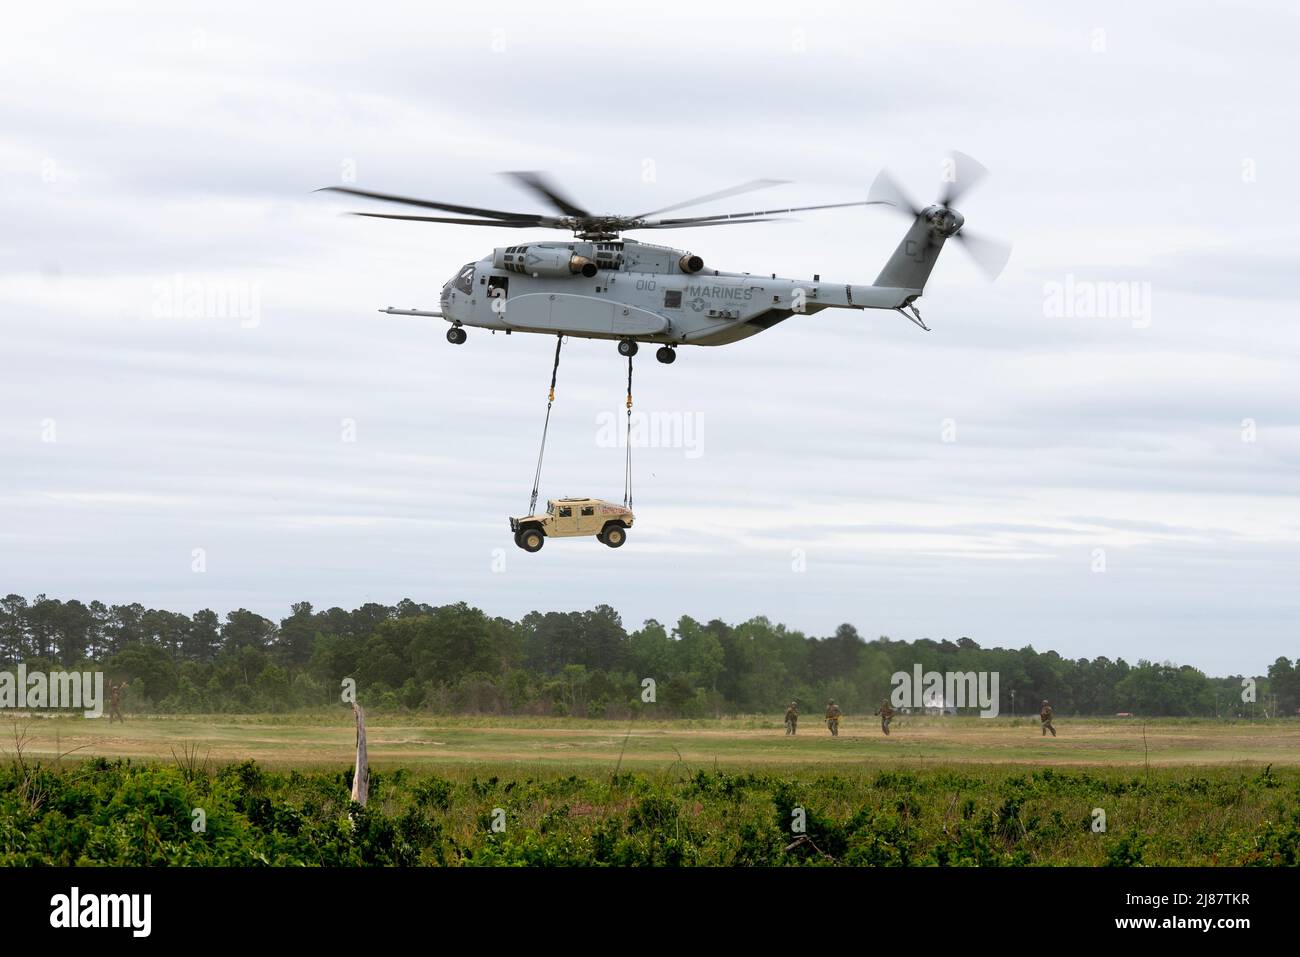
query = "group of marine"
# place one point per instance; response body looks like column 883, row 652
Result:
column 886, row 714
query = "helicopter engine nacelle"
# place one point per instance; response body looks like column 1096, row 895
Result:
column 542, row 261
column 690, row 263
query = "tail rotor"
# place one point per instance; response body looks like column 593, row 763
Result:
column 961, row 173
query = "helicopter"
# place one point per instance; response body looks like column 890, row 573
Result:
column 601, row 285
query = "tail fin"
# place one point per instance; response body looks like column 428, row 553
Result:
column 915, row 256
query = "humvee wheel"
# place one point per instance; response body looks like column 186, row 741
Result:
column 531, row 540
column 613, row 535
column 456, row 335
column 666, row 354
column 627, row 347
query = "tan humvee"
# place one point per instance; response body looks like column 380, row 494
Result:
column 566, row 517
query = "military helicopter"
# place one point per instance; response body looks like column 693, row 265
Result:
column 600, row 285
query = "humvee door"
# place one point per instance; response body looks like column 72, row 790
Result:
column 589, row 523
column 566, row 521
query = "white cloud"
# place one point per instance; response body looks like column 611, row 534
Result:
column 139, row 148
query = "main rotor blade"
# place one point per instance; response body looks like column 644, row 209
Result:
column 749, row 187
column 430, row 204
column 886, row 192
column 512, row 223
column 690, row 223
column 544, row 188
column 961, row 173
column 729, row 217
column 990, row 255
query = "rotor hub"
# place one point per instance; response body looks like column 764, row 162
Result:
column 600, row 228
column 943, row 220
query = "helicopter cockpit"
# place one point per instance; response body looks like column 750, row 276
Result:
column 464, row 280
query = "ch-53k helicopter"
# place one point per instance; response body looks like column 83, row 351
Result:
column 601, row 286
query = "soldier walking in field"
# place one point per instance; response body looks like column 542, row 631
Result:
column 886, row 714
column 115, row 702
column 833, row 718
column 792, row 718
column 1045, row 716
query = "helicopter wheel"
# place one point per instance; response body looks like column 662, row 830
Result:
column 456, row 335
column 666, row 354
column 627, row 347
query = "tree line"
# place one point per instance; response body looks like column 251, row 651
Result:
column 458, row 659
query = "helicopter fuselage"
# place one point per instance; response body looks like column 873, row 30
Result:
column 623, row 289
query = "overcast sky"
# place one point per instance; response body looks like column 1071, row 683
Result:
column 1108, row 484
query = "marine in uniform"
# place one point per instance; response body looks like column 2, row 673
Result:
column 833, row 714
column 1045, row 716
column 886, row 714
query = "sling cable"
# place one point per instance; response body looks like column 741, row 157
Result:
column 546, row 425
column 627, row 471
column 550, row 401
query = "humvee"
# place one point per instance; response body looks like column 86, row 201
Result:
column 567, row 517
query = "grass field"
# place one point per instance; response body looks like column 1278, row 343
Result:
column 327, row 738
column 457, row 791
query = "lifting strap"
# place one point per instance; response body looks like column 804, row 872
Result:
column 550, row 401
column 627, row 472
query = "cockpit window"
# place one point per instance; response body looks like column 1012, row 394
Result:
column 465, row 281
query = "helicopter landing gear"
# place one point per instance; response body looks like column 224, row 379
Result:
column 456, row 336
column 666, row 354
column 627, row 347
